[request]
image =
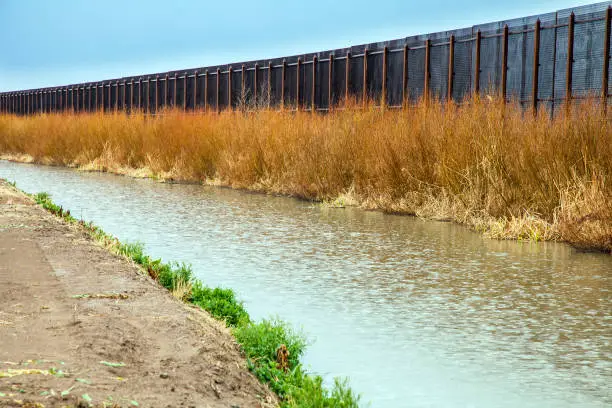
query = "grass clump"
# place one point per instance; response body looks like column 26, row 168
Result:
column 263, row 343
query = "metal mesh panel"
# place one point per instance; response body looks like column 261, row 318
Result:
column 520, row 66
column 546, row 72
column 375, row 66
column 236, row 98
column 588, row 57
column 322, row 88
column 262, row 87
column 462, row 67
column 159, row 91
column 560, row 63
column 356, row 77
column 490, row 64
column 290, row 85
column 223, row 90
column 249, row 87
column 438, row 66
column 395, row 71
column 276, row 86
column 211, row 91
column 307, row 91
column 416, row 73
column 339, row 81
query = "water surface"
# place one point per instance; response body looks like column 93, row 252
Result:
column 416, row 313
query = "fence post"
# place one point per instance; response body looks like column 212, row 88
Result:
column 269, row 84
column 405, row 77
column 536, row 67
column 606, row 62
column 140, row 92
column 243, row 100
column 451, row 68
column 365, row 77
column 383, row 101
column 175, row 93
column 185, row 92
column 166, row 87
column 283, row 73
column 110, row 96
column 229, row 87
column 427, row 52
column 195, row 90
column 131, row 99
column 477, row 67
column 297, row 81
column 570, row 60
column 348, row 77
column 205, row 90
column 218, row 90
column 89, row 98
column 255, row 80
column 330, row 83
column 504, row 72
column 313, row 106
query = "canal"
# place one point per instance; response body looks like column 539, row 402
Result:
column 417, row 313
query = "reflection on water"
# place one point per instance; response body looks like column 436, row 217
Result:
column 416, row 313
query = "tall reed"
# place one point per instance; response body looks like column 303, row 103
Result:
column 486, row 164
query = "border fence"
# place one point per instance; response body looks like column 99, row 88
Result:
column 538, row 61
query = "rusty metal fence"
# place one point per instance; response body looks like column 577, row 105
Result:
column 537, row 61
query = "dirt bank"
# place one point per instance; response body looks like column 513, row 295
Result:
column 80, row 325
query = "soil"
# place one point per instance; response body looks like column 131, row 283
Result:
column 80, row 326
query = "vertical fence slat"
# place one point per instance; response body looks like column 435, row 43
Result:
column 536, row 67
column 205, row 90
column 606, row 61
column 297, row 83
column 330, row 84
column 504, row 73
column 283, row 75
column 347, row 80
column 427, row 69
column 218, row 90
column 195, row 90
column 364, row 95
column 255, row 79
column 269, row 96
column 477, row 63
column 383, row 97
column 314, row 84
column 185, row 92
column 451, row 68
column 570, row 60
column 243, row 101
column 405, row 77
column 229, row 87
column 175, row 93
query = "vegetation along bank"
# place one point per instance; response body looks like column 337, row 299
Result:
column 485, row 164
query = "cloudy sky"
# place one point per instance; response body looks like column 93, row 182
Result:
column 48, row 43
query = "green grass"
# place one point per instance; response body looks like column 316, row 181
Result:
column 258, row 340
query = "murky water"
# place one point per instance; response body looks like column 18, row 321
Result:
column 416, row 313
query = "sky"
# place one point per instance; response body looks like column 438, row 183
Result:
column 50, row 43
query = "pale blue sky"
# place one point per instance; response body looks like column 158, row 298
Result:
column 47, row 43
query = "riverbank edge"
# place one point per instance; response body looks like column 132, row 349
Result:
column 271, row 347
column 524, row 228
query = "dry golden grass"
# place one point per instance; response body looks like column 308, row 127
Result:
column 484, row 164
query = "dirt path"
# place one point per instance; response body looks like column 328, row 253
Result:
column 133, row 345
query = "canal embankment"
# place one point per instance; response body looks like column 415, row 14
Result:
column 79, row 324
